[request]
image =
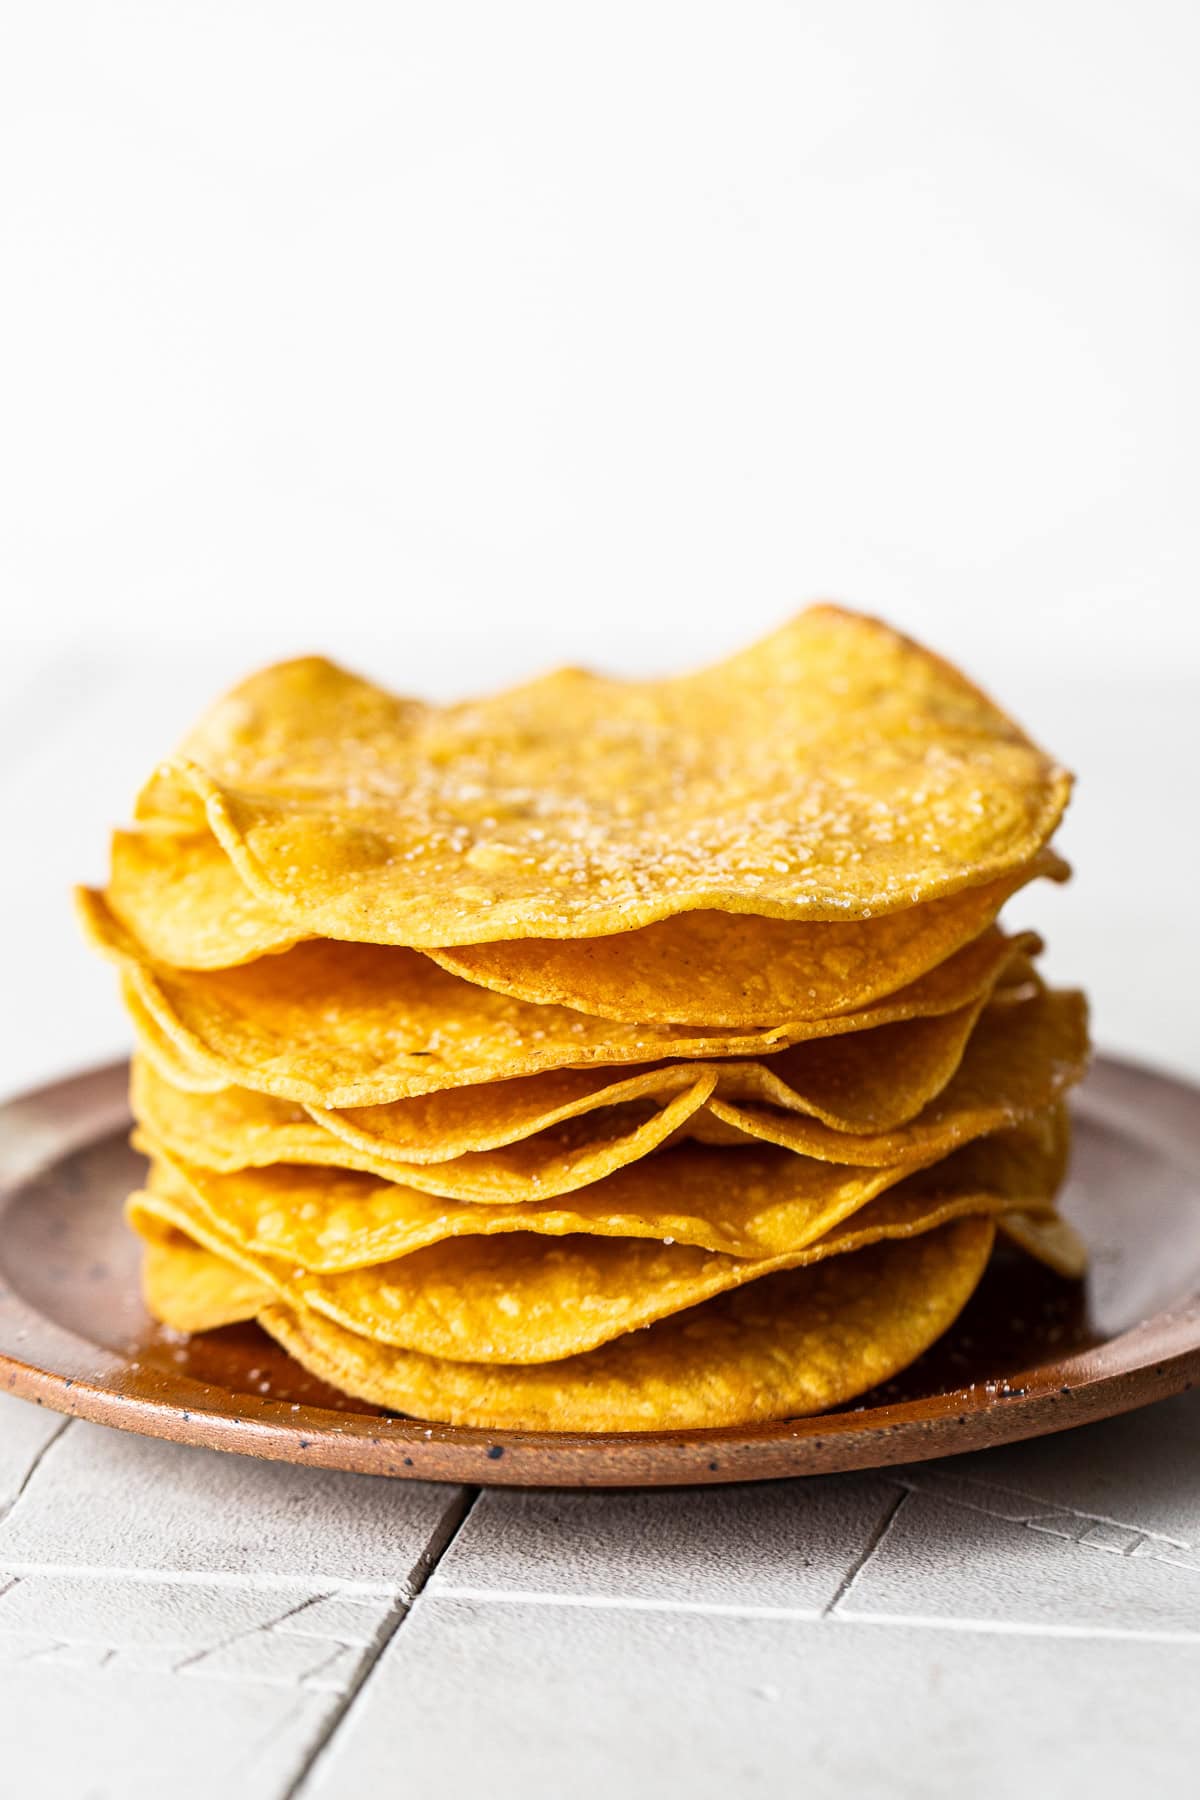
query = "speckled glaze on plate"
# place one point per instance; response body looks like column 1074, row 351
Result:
column 1031, row 1354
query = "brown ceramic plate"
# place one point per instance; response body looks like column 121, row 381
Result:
column 1031, row 1354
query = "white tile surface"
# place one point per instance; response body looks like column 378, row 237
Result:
column 965, row 1563
column 106, row 1500
column 173, row 1620
column 88, row 1731
column 525, row 1699
column 114, row 1688
column 1140, row 1473
column 785, row 1545
column 185, row 1625
column 25, row 1433
column 1095, row 1532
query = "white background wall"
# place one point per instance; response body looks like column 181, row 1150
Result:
column 461, row 340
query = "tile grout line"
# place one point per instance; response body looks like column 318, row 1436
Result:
column 700, row 1609
column 1153, row 1546
column 1053, row 1508
column 871, row 1546
column 449, row 1528
column 1138, row 1634
column 55, row 1437
column 246, row 1631
column 201, row 1577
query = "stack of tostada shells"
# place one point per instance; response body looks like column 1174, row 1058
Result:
column 600, row 1055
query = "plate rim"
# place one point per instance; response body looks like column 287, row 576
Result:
column 1153, row 1359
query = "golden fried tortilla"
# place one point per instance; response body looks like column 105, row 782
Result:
column 183, row 901
column 794, row 1343
column 835, row 771
column 712, row 968
column 515, row 1298
column 1020, row 1059
column 346, row 1025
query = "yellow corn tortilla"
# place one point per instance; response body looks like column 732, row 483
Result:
column 1020, row 1060
column 794, row 1343
column 855, row 1082
column 1049, row 1239
column 457, row 1122
column 224, row 1127
column 712, row 968
column 169, row 1059
column 330, row 1220
column 184, row 903
column 346, row 1025
column 237, row 1129
column 191, row 1289
column 179, row 895
column 858, row 1082
column 833, row 771
column 516, row 1299
column 188, row 1288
